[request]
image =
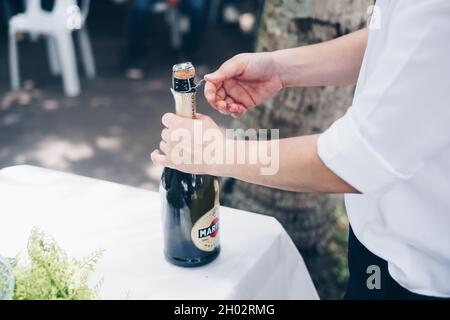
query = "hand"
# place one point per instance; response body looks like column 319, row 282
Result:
column 242, row 83
column 184, row 142
column 173, row 3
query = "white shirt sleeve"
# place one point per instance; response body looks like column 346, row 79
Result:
column 400, row 116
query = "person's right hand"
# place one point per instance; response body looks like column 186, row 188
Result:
column 242, row 83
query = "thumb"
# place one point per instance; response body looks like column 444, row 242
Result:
column 216, row 77
column 230, row 69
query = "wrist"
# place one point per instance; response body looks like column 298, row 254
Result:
column 279, row 66
column 289, row 65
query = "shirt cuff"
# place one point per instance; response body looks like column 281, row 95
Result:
column 345, row 152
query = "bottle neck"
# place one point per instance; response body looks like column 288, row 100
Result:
column 183, row 85
column 184, row 94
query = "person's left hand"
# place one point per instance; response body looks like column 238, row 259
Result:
column 184, row 142
column 173, row 3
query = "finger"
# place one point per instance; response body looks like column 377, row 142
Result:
column 159, row 159
column 238, row 110
column 229, row 101
column 220, row 102
column 171, row 120
column 221, row 94
column 217, row 76
column 164, row 147
column 240, row 113
column 231, row 105
column 237, row 114
column 210, row 92
column 234, row 89
column 238, row 107
column 221, row 105
column 233, row 108
column 167, row 119
column 165, row 135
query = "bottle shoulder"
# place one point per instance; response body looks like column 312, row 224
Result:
column 170, row 177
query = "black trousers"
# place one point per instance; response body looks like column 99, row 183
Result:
column 363, row 265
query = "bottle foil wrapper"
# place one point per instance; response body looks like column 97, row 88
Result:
column 185, row 103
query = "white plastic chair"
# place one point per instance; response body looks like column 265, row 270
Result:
column 57, row 26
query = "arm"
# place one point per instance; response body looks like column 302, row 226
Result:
column 291, row 164
column 397, row 125
column 249, row 79
column 335, row 62
column 299, row 168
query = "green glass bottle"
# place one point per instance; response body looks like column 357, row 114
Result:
column 190, row 202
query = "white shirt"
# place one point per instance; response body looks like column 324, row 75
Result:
column 393, row 144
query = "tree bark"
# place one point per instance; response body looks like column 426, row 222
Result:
column 308, row 218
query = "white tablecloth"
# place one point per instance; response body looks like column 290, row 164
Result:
column 258, row 259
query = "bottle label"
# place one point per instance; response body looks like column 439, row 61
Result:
column 205, row 232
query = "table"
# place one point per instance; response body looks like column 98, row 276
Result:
column 258, row 259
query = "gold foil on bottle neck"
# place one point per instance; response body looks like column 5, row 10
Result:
column 185, row 103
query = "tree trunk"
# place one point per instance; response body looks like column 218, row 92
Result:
column 308, row 218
